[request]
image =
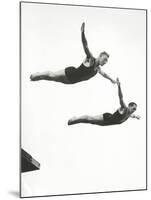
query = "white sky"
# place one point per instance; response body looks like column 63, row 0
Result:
column 82, row 158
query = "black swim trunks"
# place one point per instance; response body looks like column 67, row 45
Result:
column 107, row 118
column 81, row 73
column 115, row 118
column 71, row 74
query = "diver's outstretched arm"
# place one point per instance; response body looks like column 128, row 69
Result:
column 135, row 116
column 106, row 75
column 120, row 94
column 84, row 41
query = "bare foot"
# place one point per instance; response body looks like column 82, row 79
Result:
column 72, row 121
column 35, row 77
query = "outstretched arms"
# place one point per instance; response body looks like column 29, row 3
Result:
column 123, row 105
column 84, row 41
column 135, row 116
column 105, row 75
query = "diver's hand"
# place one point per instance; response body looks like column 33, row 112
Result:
column 83, row 27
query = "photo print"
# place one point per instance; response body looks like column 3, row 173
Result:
column 83, row 99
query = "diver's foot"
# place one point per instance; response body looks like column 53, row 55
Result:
column 72, row 121
column 35, row 77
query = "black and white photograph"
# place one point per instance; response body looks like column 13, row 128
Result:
column 83, row 99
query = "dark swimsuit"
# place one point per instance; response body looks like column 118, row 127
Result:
column 81, row 73
column 115, row 118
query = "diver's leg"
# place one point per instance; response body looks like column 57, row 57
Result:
column 58, row 76
column 98, row 120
